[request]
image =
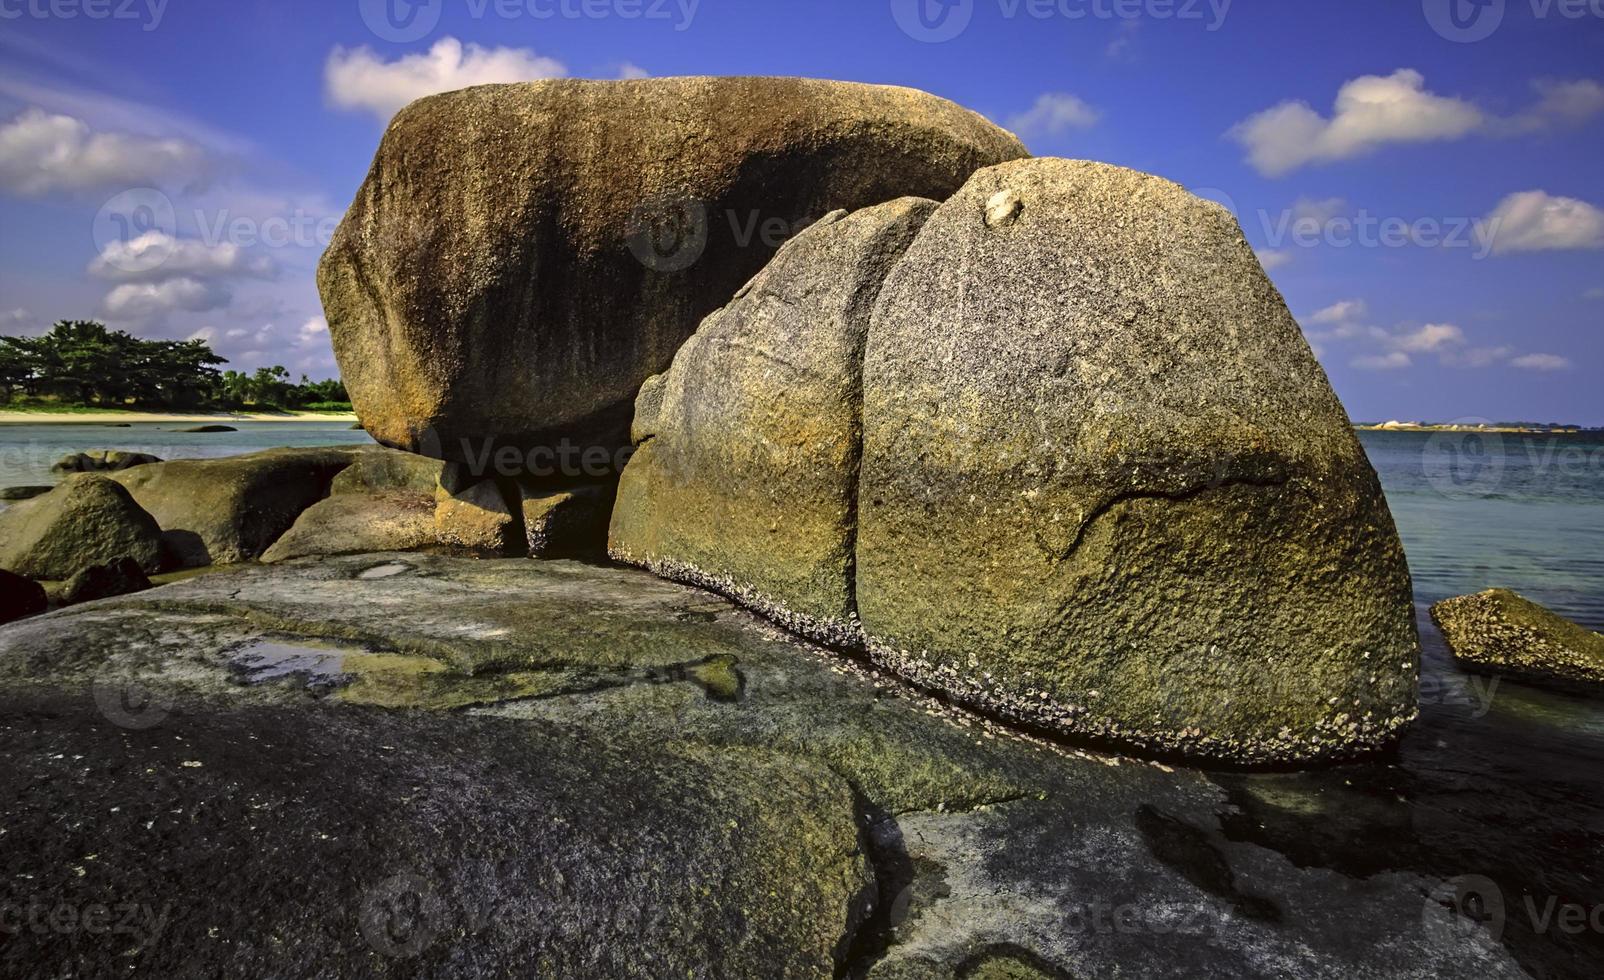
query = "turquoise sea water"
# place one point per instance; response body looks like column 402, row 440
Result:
column 27, row 451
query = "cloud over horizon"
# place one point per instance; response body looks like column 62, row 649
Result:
column 359, row 79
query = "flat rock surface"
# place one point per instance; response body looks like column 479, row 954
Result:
column 648, row 716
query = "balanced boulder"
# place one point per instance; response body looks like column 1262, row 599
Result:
column 1107, row 490
column 87, row 520
column 746, row 477
column 522, row 257
column 1502, row 632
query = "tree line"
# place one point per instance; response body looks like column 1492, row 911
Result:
column 82, row 363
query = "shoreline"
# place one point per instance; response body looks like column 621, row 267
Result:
column 113, row 416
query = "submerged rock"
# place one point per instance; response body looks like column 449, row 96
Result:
column 12, row 494
column 19, row 597
column 580, row 249
column 1107, row 490
column 121, row 576
column 224, row 511
column 746, row 478
column 101, row 461
column 85, row 521
column 207, row 429
column 1500, row 631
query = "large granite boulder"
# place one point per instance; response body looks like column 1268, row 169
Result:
column 1502, row 632
column 746, row 477
column 1107, row 490
column 88, row 520
column 522, row 257
column 225, row 511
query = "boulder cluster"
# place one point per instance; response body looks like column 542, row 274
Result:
column 1037, row 434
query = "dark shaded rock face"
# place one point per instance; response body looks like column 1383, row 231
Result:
column 24, row 492
column 747, row 474
column 86, row 521
column 1500, row 631
column 119, row 577
column 522, row 257
column 20, row 597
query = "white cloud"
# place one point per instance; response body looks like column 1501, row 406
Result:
column 1370, row 112
column 313, row 333
column 1054, row 114
column 1124, row 39
column 1343, row 312
column 156, row 256
column 1429, row 338
column 1374, row 111
column 360, row 79
column 1535, row 221
column 1558, row 104
column 1595, row 293
column 1273, row 259
column 1383, row 362
column 1476, row 357
column 1310, row 210
column 1541, row 362
column 15, row 319
column 152, row 299
column 631, row 70
column 41, row 153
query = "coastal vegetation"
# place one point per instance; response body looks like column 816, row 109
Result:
column 83, row 365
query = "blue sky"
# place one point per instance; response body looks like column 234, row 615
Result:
column 1425, row 190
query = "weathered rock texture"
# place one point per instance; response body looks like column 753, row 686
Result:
column 505, row 270
column 569, row 523
column 224, row 511
column 746, row 479
column 380, row 469
column 88, row 520
column 118, row 577
column 479, row 519
column 1107, row 489
column 353, row 523
column 1500, row 631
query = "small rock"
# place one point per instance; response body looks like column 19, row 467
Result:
column 102, row 461
column 88, row 519
column 1002, row 208
column 120, row 576
column 1501, row 631
column 208, row 428
column 23, row 493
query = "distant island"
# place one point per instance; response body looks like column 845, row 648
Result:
column 1541, row 428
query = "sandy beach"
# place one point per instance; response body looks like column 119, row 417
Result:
column 103, row 418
